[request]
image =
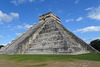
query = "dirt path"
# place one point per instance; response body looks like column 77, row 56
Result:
column 77, row 63
column 80, row 63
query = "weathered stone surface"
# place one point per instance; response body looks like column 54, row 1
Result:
column 47, row 37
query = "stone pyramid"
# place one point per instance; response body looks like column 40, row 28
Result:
column 47, row 37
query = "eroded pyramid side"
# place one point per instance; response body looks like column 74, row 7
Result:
column 47, row 37
column 56, row 39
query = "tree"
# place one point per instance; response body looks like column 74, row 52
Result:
column 96, row 44
column 1, row 46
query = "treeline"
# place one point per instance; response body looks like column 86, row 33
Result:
column 95, row 44
column 1, row 46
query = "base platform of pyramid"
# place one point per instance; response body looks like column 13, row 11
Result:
column 48, row 36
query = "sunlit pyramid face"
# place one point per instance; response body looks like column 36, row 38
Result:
column 47, row 37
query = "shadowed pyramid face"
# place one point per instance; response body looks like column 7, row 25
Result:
column 48, row 37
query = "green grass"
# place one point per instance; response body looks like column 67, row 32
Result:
column 44, row 58
column 38, row 65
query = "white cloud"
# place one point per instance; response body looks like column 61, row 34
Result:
column 89, row 29
column 8, row 26
column 90, row 8
column 1, row 22
column 76, row 1
column 17, row 2
column 94, row 13
column 8, row 36
column 1, row 36
column 79, row 19
column 42, row 0
column 31, row 0
column 15, row 15
column 18, row 33
column 24, row 26
column 89, row 39
column 8, row 18
column 3, row 44
column 59, row 11
column 69, row 20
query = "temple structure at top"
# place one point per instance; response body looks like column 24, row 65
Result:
column 47, row 16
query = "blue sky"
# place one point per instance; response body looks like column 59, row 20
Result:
column 82, row 17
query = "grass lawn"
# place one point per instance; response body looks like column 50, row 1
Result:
column 24, row 58
column 41, row 58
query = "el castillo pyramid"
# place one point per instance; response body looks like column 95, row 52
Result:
column 48, row 36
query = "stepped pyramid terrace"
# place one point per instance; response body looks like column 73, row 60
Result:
column 48, row 36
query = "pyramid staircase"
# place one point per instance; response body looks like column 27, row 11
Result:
column 48, row 37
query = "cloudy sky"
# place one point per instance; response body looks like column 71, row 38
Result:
column 82, row 17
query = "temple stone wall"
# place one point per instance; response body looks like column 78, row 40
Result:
column 53, row 39
column 47, row 37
